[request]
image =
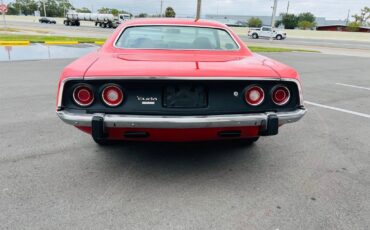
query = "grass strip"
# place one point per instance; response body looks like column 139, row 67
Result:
column 258, row 49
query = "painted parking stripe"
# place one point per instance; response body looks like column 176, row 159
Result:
column 338, row 109
column 353, row 86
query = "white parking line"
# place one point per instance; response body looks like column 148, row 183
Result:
column 339, row 109
column 353, row 86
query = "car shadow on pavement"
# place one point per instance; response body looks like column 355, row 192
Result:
column 181, row 160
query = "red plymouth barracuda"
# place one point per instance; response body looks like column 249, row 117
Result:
column 177, row 80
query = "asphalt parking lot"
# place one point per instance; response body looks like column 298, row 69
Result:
column 314, row 175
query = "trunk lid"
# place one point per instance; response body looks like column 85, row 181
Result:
column 193, row 64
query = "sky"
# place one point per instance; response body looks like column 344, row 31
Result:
column 331, row 9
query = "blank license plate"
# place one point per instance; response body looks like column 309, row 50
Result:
column 185, row 96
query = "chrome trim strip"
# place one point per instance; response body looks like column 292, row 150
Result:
column 180, row 25
column 61, row 89
column 182, row 78
column 183, row 122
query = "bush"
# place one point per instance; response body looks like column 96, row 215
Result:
column 304, row 25
column 254, row 22
column 354, row 26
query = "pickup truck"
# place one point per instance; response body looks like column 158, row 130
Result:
column 266, row 32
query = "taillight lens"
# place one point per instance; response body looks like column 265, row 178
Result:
column 280, row 95
column 83, row 95
column 254, row 95
column 112, row 95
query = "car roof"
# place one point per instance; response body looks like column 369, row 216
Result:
column 174, row 21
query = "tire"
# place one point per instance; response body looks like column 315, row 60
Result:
column 279, row 37
column 103, row 142
column 78, row 23
column 255, row 36
column 247, row 142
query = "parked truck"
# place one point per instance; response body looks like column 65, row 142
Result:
column 103, row 20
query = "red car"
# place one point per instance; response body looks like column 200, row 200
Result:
column 178, row 80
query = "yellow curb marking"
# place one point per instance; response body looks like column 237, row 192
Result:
column 99, row 42
column 61, row 42
column 14, row 42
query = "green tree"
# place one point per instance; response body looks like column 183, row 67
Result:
column 13, row 9
column 115, row 12
column 83, row 10
column 142, row 15
column 353, row 26
column 290, row 21
column 304, row 25
column 309, row 17
column 170, row 12
column 363, row 17
column 104, row 10
column 278, row 23
column 254, row 22
column 54, row 8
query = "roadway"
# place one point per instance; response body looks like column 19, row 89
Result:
column 314, row 175
column 87, row 29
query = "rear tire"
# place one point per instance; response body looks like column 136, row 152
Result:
column 255, row 36
column 279, row 37
column 248, row 141
column 103, row 142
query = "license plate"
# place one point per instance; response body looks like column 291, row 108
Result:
column 185, row 96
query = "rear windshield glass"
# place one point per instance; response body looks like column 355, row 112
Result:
column 176, row 37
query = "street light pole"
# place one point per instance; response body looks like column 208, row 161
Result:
column 44, row 8
column 161, row 15
column 199, row 10
column 273, row 18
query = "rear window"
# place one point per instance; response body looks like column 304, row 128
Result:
column 176, row 37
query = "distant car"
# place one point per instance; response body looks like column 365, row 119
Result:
column 267, row 32
column 47, row 20
column 178, row 80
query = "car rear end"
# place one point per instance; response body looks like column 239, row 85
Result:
column 179, row 109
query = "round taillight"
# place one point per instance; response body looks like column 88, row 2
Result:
column 112, row 95
column 254, row 95
column 83, row 95
column 280, row 95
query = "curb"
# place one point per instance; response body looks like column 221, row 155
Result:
column 16, row 43
column 25, row 43
column 61, row 42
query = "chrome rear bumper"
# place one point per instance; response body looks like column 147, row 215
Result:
column 171, row 122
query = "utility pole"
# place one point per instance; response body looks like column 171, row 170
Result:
column 44, row 8
column 161, row 12
column 199, row 10
column 273, row 18
column 347, row 21
column 287, row 8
